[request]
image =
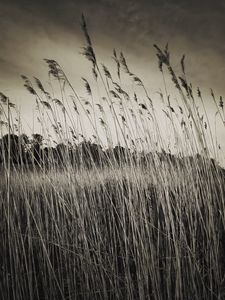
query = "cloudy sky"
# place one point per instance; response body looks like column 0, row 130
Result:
column 32, row 30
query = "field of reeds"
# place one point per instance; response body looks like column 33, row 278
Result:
column 105, row 202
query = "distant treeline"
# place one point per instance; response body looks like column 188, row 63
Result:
column 22, row 151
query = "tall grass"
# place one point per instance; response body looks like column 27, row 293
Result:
column 149, row 225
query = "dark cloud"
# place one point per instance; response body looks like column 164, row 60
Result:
column 194, row 27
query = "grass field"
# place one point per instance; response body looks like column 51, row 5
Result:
column 146, row 228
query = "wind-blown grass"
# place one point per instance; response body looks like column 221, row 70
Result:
column 128, row 232
column 142, row 226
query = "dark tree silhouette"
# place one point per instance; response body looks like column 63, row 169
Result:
column 12, row 149
column 118, row 154
column 36, row 148
column 28, row 152
column 49, row 156
column 62, row 154
column 89, row 154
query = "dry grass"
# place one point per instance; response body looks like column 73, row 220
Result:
column 146, row 230
column 115, row 233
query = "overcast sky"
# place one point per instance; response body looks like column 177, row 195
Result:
column 32, row 30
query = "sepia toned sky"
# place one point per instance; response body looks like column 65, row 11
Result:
column 32, row 30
